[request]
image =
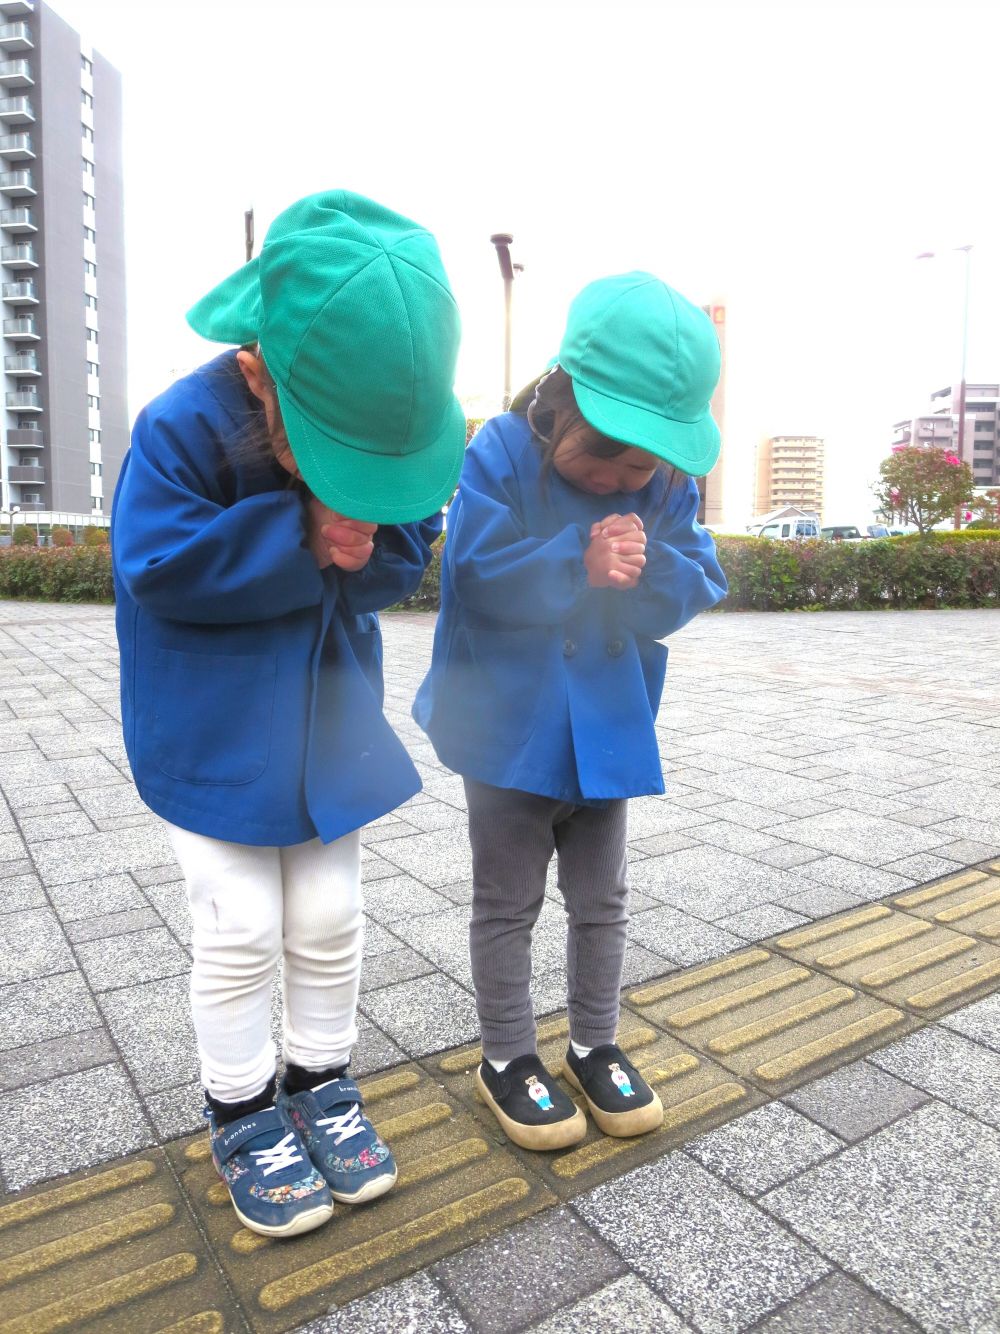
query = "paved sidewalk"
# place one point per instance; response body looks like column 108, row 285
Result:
column 816, row 764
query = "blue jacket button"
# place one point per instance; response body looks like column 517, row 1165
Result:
column 616, row 648
column 569, row 648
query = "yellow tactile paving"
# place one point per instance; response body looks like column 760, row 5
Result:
column 113, row 1251
column 455, row 1185
column 970, row 903
column 771, row 1021
column 696, row 1094
column 150, row 1245
column 920, row 959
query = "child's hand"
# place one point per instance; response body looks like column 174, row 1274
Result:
column 616, row 554
column 336, row 540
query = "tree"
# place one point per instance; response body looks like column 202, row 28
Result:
column 985, row 510
column 922, row 486
column 24, row 536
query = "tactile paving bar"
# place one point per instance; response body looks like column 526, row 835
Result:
column 767, row 1019
column 970, row 903
column 113, row 1251
column 455, row 1186
column 906, row 959
column 696, row 1095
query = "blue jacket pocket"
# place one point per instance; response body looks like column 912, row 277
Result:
column 213, row 714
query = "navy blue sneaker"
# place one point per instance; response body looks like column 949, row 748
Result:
column 342, row 1143
column 274, row 1187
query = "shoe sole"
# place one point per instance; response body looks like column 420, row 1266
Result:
column 623, row 1125
column 559, row 1135
column 370, row 1191
column 305, row 1222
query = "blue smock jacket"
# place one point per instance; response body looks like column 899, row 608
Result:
column 538, row 681
column 251, row 681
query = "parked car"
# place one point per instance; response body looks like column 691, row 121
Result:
column 788, row 530
column 842, row 532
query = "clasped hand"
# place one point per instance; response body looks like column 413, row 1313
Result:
column 336, row 540
column 617, row 552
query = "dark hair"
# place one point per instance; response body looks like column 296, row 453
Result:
column 550, row 399
column 253, row 446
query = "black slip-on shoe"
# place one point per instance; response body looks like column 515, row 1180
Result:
column 532, row 1109
column 620, row 1100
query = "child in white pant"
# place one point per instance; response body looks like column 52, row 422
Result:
column 271, row 503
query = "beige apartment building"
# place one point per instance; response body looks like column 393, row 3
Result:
column 710, row 487
column 790, row 472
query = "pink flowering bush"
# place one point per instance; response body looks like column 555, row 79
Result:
column 923, row 486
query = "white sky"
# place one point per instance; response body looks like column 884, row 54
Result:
column 790, row 159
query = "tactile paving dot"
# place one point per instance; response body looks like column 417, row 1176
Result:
column 696, row 1095
column 455, row 1185
column 767, row 1019
column 110, row 1251
column 906, row 959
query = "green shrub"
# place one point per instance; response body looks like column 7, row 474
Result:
column 970, row 534
column 62, row 537
column 24, row 536
column 95, row 537
column 57, row 574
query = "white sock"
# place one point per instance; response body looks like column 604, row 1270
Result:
column 498, row 1066
column 580, row 1051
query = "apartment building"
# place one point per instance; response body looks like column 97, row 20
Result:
column 64, row 428
column 939, row 428
column 710, row 487
column 790, row 473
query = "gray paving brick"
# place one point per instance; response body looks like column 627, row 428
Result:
column 398, row 898
column 38, row 828
column 979, row 1021
column 856, row 1100
column 158, row 875
column 720, row 1262
column 374, row 1050
column 19, row 892
column 69, row 1123
column 924, row 866
column 913, row 1212
column 869, row 839
column 948, row 1066
column 63, row 860
column 624, row 1306
column 151, row 1023
column 787, row 855
column 177, row 1111
column 122, row 961
column 396, row 965
column 56, row 1056
column 854, row 877
column 171, row 902
column 837, row 1305
column 423, row 1015
column 414, row 1305
column 763, row 1148
column 820, row 901
column 437, row 858
column 679, row 937
column 112, row 924
column 32, row 944
column 45, row 1007
column 758, row 923
column 75, row 902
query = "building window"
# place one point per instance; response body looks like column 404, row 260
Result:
column 93, row 401
column 88, row 134
column 88, row 167
column 90, row 268
column 91, row 301
column 88, row 101
column 95, row 436
column 86, row 64
column 89, row 234
column 93, row 368
column 88, row 200
column 96, row 502
column 96, row 469
column 92, row 336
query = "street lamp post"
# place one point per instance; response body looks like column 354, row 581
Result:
column 503, row 241
column 967, row 251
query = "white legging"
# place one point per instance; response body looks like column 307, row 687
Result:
column 251, row 906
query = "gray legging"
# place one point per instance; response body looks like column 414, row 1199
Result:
column 513, row 836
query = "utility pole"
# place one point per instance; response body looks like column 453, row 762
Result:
column 248, row 233
column 503, row 242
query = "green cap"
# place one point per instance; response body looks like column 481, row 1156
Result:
column 357, row 325
column 644, row 363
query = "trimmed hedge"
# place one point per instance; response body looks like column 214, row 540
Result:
column 940, row 570
column 57, row 574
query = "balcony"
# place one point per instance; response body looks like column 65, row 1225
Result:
column 23, row 400
column 17, row 148
column 17, row 9
column 29, row 474
column 17, row 184
column 22, row 330
column 18, row 221
column 16, row 37
column 20, row 294
column 22, row 363
column 16, row 74
column 17, row 111
column 18, row 256
column 23, row 437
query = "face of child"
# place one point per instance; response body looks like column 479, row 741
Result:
column 628, row 471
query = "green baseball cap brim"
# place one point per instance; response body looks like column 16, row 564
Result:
column 692, row 446
column 231, row 312
column 373, row 487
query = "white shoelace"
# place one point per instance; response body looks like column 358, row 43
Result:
column 280, row 1155
column 345, row 1125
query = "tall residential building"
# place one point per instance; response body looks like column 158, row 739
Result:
column 65, row 426
column 710, row 487
column 790, row 472
column 939, row 427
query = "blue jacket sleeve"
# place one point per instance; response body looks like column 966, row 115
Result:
column 183, row 554
column 402, row 553
column 682, row 575
column 494, row 567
